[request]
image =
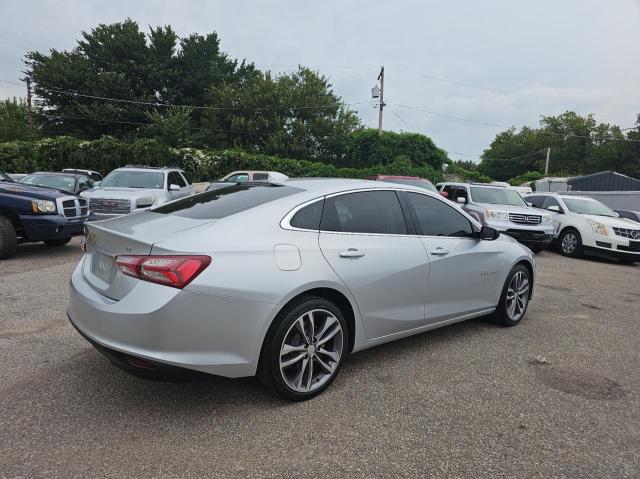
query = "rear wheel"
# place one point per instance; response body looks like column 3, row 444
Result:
column 8, row 238
column 303, row 351
column 57, row 242
column 571, row 243
column 515, row 297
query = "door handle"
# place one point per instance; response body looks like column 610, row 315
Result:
column 351, row 253
column 440, row 252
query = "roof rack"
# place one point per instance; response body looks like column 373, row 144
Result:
column 165, row 167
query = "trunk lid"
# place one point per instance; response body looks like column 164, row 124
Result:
column 133, row 234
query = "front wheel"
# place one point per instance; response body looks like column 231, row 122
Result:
column 571, row 243
column 57, row 242
column 303, row 351
column 8, row 238
column 514, row 298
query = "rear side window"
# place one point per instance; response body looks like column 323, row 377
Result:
column 260, row 176
column 365, row 212
column 434, row 218
column 227, row 201
column 308, row 218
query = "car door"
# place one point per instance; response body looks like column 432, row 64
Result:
column 462, row 268
column 190, row 188
column 176, row 179
column 556, row 216
column 367, row 240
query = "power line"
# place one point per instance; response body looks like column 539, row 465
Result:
column 444, row 115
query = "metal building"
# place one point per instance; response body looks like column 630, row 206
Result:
column 604, row 181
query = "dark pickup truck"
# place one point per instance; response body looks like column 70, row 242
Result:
column 29, row 214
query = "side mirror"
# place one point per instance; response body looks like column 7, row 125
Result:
column 461, row 200
column 174, row 187
column 444, row 194
column 489, row 234
column 554, row 208
column 97, row 183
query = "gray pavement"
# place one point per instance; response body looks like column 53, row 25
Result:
column 557, row 396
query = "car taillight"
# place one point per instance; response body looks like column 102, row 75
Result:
column 174, row 271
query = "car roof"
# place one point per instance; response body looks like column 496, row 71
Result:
column 484, row 185
column 57, row 173
column 152, row 169
column 326, row 186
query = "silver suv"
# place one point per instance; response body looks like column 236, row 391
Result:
column 136, row 188
column 503, row 209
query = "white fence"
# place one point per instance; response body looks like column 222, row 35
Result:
column 617, row 200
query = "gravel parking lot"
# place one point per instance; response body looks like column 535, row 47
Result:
column 559, row 395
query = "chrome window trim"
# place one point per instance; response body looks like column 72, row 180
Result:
column 285, row 222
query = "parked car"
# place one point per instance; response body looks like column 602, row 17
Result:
column 29, row 214
column 73, row 183
column 584, row 225
column 503, row 209
column 405, row 180
column 137, row 188
column 94, row 175
column 248, row 176
column 285, row 279
column 629, row 214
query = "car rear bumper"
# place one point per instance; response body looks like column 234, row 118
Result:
column 50, row 227
column 213, row 334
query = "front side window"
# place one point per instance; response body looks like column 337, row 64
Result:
column 550, row 201
column 238, row 178
column 376, row 212
column 535, row 200
column 588, row 207
column 176, row 179
column 496, row 196
column 134, row 179
column 435, row 218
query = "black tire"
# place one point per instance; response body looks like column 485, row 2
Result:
column 269, row 371
column 568, row 247
column 57, row 242
column 8, row 238
column 501, row 315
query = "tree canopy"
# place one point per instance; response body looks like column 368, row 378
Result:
column 578, row 145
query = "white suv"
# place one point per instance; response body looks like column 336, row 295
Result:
column 582, row 224
column 136, row 188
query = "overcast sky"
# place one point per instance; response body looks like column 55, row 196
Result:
column 502, row 62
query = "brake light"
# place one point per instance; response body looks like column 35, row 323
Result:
column 174, row 271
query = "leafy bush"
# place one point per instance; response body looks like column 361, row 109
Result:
column 527, row 177
column 466, row 175
column 107, row 153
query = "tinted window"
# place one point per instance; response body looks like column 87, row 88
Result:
column 134, row 179
column 85, row 183
column 496, row 196
column 260, row 176
column 186, row 178
column 176, row 179
column 226, row 201
column 365, row 212
column 535, row 200
column 550, row 201
column 308, row 218
column 239, row 178
column 434, row 218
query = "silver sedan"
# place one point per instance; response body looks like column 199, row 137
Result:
column 284, row 280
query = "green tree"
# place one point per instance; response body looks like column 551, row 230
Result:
column 14, row 124
column 172, row 127
column 296, row 115
column 120, row 61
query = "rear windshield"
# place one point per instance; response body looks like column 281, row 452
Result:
column 226, row 201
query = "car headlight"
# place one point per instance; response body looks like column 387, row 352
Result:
column 43, row 206
column 598, row 228
column 146, row 201
column 547, row 218
column 497, row 214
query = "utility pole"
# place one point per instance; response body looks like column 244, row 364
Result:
column 29, row 109
column 546, row 165
column 381, row 78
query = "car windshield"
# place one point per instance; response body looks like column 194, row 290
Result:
column 58, row 182
column 4, row 177
column 419, row 182
column 496, row 196
column 588, row 207
column 134, row 179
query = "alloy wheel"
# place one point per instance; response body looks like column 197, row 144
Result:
column 569, row 243
column 517, row 296
column 311, row 350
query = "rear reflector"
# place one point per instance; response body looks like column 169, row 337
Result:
column 174, row 271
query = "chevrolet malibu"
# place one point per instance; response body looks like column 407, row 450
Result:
column 284, row 280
